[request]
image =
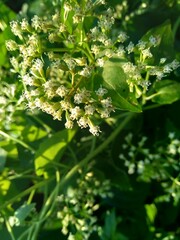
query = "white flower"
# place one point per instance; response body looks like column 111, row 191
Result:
column 11, row 45
column 100, row 62
column 89, row 109
column 75, row 112
column 65, row 105
column 15, row 28
column 162, row 60
column 83, row 122
column 122, row 37
column 57, row 115
column 86, row 72
column 69, row 124
column 141, row 45
column 36, row 23
column 95, row 49
column 167, row 68
column 95, row 130
column 153, row 40
column 28, row 80
column 106, row 103
column 146, row 53
column 101, row 91
column 108, row 53
column 130, row 47
column 82, row 96
column 24, row 24
column 62, row 91
column 94, row 32
column 175, row 64
column 105, row 113
column 37, row 64
column 67, row 7
column 120, row 51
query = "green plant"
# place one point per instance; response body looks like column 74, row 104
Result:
column 88, row 65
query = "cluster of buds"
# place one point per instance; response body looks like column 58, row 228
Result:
column 78, row 206
column 59, row 62
column 57, row 80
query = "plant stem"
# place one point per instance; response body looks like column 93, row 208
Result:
column 17, row 141
column 46, row 211
column 9, row 229
column 175, row 27
column 31, row 196
column 99, row 149
column 51, row 201
column 152, row 106
column 24, row 193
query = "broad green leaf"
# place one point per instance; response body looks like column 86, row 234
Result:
column 165, row 47
column 52, row 150
column 32, row 133
column 23, row 212
column 115, row 81
column 168, row 91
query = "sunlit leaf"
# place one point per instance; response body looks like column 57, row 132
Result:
column 52, row 150
column 151, row 211
column 168, row 91
column 164, row 35
column 115, row 81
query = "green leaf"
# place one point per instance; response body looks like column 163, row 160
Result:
column 115, row 81
column 110, row 225
column 168, row 91
column 151, row 211
column 6, row 15
column 23, row 212
column 3, row 155
column 32, row 133
column 52, row 150
column 165, row 37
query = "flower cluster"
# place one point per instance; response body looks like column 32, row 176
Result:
column 59, row 62
column 9, row 102
column 143, row 64
column 78, row 206
column 154, row 164
column 59, row 80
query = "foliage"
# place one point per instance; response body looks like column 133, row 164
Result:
column 90, row 133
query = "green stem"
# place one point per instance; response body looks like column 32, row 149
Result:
column 175, row 28
column 31, row 196
column 151, row 96
column 17, row 141
column 9, row 229
column 152, row 106
column 50, row 202
column 58, row 50
column 87, row 53
column 44, row 214
column 24, row 193
column 99, row 149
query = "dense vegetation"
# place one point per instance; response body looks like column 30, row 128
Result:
column 89, row 120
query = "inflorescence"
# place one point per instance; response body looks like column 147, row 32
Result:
column 60, row 59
